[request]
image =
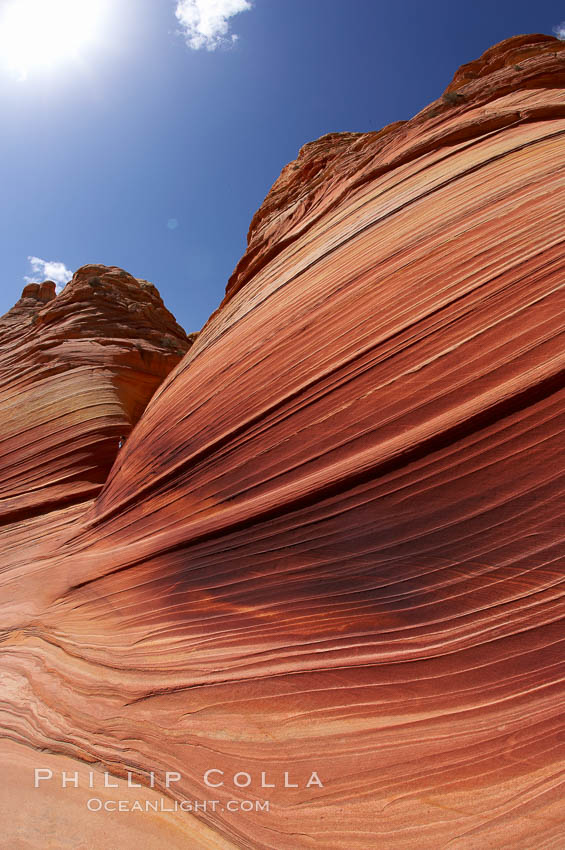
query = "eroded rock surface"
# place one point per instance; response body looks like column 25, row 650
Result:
column 334, row 539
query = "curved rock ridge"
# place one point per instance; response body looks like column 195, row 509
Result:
column 333, row 542
column 481, row 99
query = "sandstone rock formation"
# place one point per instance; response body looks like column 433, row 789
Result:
column 333, row 541
column 76, row 373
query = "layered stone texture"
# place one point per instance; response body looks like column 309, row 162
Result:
column 334, row 539
column 76, row 373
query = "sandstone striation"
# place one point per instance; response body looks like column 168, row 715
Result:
column 333, row 541
column 76, row 373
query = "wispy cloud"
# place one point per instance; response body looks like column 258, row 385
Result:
column 559, row 30
column 48, row 270
column 205, row 23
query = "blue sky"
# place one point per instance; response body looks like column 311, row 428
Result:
column 149, row 151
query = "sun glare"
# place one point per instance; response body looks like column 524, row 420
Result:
column 39, row 34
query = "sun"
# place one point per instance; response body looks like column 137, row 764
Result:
column 39, row 34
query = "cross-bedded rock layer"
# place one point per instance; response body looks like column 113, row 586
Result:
column 334, row 539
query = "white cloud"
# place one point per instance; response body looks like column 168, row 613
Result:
column 205, row 23
column 559, row 30
column 48, row 270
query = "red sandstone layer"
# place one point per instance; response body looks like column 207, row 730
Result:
column 334, row 538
